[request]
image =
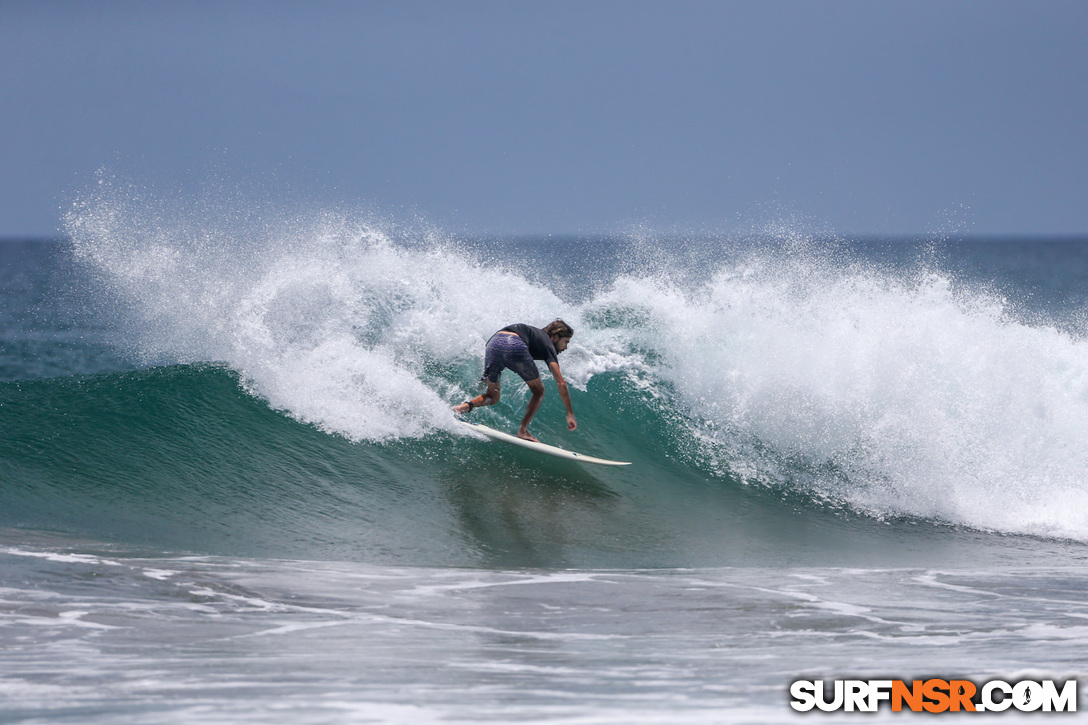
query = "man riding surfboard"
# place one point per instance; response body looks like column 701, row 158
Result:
column 517, row 347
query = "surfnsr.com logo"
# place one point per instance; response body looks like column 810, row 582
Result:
column 934, row 695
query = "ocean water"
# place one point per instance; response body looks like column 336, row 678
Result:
column 232, row 491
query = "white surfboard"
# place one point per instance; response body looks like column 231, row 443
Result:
column 540, row 447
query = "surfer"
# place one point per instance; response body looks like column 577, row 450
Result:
column 517, row 347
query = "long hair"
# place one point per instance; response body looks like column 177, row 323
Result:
column 559, row 328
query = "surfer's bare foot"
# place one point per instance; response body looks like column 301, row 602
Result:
column 525, row 435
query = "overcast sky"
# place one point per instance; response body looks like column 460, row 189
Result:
column 562, row 117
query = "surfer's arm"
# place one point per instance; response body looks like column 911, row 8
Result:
column 564, row 393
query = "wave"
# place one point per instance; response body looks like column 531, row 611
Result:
column 181, row 457
column 792, row 369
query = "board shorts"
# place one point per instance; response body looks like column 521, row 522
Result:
column 508, row 351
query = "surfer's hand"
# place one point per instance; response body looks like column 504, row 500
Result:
column 572, row 424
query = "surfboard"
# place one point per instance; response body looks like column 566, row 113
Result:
column 540, row 447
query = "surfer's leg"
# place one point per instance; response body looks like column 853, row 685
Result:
column 496, row 359
column 536, row 387
column 488, row 397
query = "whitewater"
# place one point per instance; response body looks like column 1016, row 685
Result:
column 233, row 489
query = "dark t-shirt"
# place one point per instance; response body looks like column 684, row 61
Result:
column 539, row 344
